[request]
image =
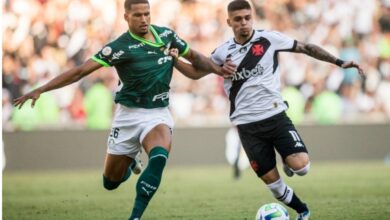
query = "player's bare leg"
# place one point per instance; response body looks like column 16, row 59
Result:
column 271, row 176
column 116, row 170
column 157, row 144
column 298, row 163
column 159, row 136
column 283, row 192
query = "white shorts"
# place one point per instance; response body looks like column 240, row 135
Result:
column 131, row 125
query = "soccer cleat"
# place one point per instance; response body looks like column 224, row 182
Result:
column 136, row 166
column 303, row 216
column 287, row 170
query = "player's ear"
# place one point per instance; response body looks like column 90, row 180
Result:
column 126, row 16
column 228, row 22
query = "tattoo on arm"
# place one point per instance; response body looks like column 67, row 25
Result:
column 315, row 52
column 202, row 63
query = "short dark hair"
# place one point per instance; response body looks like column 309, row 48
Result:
column 129, row 3
column 238, row 5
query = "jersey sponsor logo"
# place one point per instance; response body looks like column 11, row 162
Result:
column 106, row 51
column 148, row 188
column 135, row 46
column 152, row 52
column 118, row 54
column 179, row 41
column 163, row 60
column 162, row 96
column 246, row 74
column 165, row 33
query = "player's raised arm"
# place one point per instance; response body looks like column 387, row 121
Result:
column 64, row 79
column 321, row 54
column 201, row 65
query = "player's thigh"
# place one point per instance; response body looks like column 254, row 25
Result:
column 160, row 135
column 115, row 166
column 259, row 149
column 290, row 145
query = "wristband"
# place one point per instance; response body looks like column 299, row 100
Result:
column 339, row 62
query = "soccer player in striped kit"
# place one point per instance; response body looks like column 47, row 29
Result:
column 257, row 107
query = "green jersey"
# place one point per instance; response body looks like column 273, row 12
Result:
column 144, row 67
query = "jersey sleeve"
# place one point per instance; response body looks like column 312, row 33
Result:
column 282, row 41
column 217, row 56
column 180, row 44
column 108, row 55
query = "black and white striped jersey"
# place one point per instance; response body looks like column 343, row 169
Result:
column 254, row 90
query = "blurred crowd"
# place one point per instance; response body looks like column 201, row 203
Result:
column 43, row 38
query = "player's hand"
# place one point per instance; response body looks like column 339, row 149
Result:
column 174, row 53
column 33, row 95
column 351, row 64
column 228, row 69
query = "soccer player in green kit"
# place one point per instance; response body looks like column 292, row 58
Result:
column 141, row 57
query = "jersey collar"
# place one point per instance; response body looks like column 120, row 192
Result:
column 253, row 33
column 158, row 42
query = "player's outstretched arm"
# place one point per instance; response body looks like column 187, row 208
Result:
column 321, row 54
column 200, row 65
column 59, row 81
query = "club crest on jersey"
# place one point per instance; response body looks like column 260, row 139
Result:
column 246, row 74
column 257, row 50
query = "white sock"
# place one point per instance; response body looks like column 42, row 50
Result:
column 281, row 191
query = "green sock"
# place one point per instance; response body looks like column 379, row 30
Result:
column 127, row 174
column 111, row 185
column 149, row 180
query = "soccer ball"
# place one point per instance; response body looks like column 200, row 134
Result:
column 272, row 211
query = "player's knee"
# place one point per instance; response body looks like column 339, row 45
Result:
column 110, row 185
column 303, row 170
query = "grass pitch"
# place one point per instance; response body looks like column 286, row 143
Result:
column 347, row 190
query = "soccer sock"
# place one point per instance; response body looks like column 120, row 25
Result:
column 285, row 194
column 111, row 185
column 127, row 174
column 297, row 204
column 149, row 180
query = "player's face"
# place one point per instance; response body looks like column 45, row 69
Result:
column 138, row 18
column 241, row 22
